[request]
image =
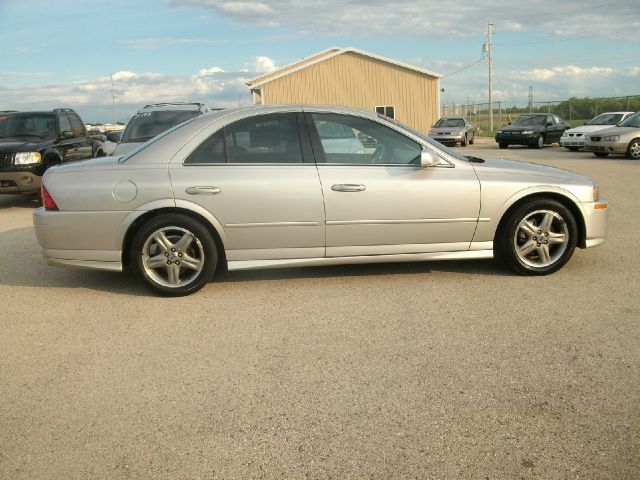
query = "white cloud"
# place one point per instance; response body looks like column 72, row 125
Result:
column 431, row 17
column 260, row 65
column 164, row 42
column 562, row 71
column 205, row 72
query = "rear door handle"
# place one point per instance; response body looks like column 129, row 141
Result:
column 203, row 190
column 348, row 187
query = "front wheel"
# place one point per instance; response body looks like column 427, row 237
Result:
column 174, row 255
column 537, row 238
column 540, row 142
column 633, row 150
column 503, row 145
column 463, row 142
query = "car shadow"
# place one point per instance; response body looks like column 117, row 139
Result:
column 30, row 269
column 19, row 201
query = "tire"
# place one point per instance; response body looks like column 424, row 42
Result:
column 537, row 238
column 464, row 142
column 633, row 150
column 540, row 142
column 473, row 139
column 601, row 154
column 572, row 149
column 503, row 145
column 174, row 255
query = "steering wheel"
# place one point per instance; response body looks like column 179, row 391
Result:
column 378, row 154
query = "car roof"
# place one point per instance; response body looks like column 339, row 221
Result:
column 196, row 106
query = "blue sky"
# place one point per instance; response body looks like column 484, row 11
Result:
column 61, row 53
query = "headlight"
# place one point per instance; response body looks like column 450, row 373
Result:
column 27, row 158
column 596, row 193
column 612, row 138
column 565, row 134
column 499, row 131
column 527, row 132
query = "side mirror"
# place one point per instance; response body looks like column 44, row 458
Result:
column 67, row 134
column 428, row 159
column 549, row 124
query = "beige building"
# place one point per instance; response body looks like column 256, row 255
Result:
column 354, row 78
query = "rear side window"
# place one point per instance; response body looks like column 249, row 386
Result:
column 273, row 138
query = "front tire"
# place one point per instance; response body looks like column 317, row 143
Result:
column 633, row 150
column 503, row 145
column 463, row 142
column 174, row 255
column 537, row 238
column 540, row 142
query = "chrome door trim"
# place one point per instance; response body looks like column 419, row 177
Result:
column 401, row 222
column 273, row 224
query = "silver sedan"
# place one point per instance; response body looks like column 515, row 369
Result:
column 270, row 186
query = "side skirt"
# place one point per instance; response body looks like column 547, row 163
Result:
column 405, row 257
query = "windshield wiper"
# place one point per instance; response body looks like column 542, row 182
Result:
column 473, row 159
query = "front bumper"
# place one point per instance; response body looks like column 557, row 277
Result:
column 448, row 139
column 517, row 138
column 574, row 141
column 19, row 182
column 596, row 220
column 606, row 147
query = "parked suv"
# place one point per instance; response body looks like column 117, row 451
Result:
column 533, row 129
column 154, row 119
column 31, row 142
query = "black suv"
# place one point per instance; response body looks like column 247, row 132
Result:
column 31, row 142
column 533, row 129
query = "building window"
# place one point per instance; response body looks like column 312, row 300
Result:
column 387, row 111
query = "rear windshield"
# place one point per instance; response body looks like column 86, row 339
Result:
column 28, row 125
column 146, row 125
column 606, row 119
column 450, row 122
column 632, row 121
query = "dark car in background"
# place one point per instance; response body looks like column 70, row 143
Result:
column 534, row 130
column 31, row 142
column 154, row 119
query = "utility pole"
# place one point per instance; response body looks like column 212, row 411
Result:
column 490, row 58
column 113, row 100
column 530, row 99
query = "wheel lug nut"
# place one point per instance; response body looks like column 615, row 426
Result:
column 173, row 249
column 179, row 254
column 537, row 244
column 539, row 231
column 545, row 242
column 166, row 254
column 177, row 262
column 535, row 238
column 168, row 262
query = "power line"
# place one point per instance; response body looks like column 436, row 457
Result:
column 463, row 68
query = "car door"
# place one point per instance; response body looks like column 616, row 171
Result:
column 378, row 200
column 68, row 146
column 258, row 178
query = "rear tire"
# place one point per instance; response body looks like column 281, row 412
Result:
column 537, row 238
column 633, row 150
column 174, row 255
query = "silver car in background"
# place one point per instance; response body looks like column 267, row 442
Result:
column 623, row 139
column 574, row 138
column 453, row 130
column 261, row 187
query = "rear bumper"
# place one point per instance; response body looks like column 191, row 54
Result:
column 19, row 182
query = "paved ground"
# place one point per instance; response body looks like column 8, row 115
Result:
column 435, row 370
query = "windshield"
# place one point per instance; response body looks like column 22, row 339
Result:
column 632, row 121
column 606, row 119
column 531, row 120
column 450, row 122
column 146, row 125
column 28, row 125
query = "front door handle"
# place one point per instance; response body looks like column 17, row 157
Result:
column 203, row 190
column 348, row 187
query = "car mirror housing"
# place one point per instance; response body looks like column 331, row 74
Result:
column 67, row 134
column 428, row 159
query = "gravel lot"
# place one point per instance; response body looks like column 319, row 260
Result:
column 435, row 370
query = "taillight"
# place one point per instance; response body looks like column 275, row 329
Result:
column 47, row 201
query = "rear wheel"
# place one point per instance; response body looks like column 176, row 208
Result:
column 537, row 238
column 601, row 154
column 174, row 255
column 633, row 150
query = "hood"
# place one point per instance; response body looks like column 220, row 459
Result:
column 536, row 170
column 588, row 128
column 521, row 127
column 124, row 148
column 10, row 145
column 618, row 130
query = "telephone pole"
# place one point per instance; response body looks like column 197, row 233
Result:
column 490, row 58
column 113, row 100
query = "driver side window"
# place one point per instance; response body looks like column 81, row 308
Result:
column 348, row 140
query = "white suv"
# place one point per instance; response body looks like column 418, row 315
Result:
column 574, row 138
column 154, row 119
